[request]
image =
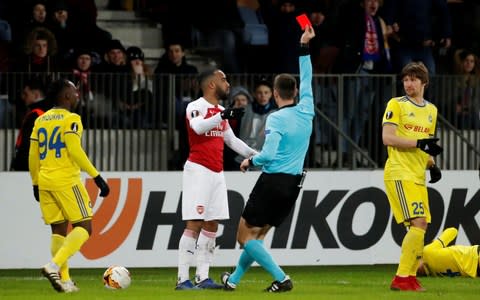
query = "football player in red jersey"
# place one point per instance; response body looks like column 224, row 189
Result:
column 204, row 200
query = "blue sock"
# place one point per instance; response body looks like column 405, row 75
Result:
column 244, row 262
column 258, row 252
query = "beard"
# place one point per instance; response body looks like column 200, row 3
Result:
column 221, row 94
column 412, row 93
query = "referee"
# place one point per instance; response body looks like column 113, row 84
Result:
column 287, row 135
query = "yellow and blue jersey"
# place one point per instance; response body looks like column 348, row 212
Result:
column 56, row 155
column 452, row 261
column 413, row 121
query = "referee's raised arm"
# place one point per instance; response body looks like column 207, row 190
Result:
column 305, row 64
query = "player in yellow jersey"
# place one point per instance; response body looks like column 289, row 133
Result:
column 408, row 129
column 442, row 260
column 55, row 160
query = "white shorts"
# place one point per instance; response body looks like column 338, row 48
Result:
column 204, row 194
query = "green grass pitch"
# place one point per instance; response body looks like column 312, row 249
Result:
column 319, row 282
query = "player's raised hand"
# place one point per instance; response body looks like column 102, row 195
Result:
column 307, row 35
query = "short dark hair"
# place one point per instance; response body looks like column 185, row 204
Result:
column 36, row 83
column 204, row 75
column 55, row 90
column 415, row 70
column 285, row 85
column 262, row 81
column 174, row 42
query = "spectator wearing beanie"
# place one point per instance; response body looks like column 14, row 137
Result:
column 115, row 75
column 115, row 58
column 137, row 109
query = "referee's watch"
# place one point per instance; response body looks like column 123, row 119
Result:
column 250, row 162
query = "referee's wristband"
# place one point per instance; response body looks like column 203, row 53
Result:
column 250, row 162
column 303, row 49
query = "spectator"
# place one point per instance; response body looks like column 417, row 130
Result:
column 37, row 17
column 252, row 128
column 361, row 38
column 138, row 110
column 40, row 50
column 173, row 61
column 115, row 58
column 238, row 97
column 82, row 14
column 33, row 95
column 90, row 106
column 467, row 89
column 411, row 23
column 65, row 32
column 115, row 76
column 39, row 14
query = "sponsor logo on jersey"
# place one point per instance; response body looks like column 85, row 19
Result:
column 389, row 115
column 416, row 128
column 74, row 127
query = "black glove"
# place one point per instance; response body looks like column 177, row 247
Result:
column 429, row 146
column 435, row 173
column 232, row 113
column 36, row 193
column 102, row 185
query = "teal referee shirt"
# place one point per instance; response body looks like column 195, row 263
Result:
column 288, row 130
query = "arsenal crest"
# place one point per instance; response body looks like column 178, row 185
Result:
column 200, row 209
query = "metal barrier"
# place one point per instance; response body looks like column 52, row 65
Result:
column 123, row 136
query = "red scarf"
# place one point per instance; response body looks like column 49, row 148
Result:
column 371, row 49
column 82, row 77
column 37, row 60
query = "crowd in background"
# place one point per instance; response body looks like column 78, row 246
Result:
column 119, row 90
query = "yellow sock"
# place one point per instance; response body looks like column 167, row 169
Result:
column 447, row 236
column 413, row 269
column 73, row 241
column 56, row 243
column 412, row 250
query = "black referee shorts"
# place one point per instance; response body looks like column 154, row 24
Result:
column 272, row 199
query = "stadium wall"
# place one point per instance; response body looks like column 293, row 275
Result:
column 340, row 218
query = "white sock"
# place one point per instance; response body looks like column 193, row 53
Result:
column 186, row 254
column 205, row 251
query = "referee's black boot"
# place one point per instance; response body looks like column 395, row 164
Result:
column 279, row 287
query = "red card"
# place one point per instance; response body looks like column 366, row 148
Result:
column 303, row 21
